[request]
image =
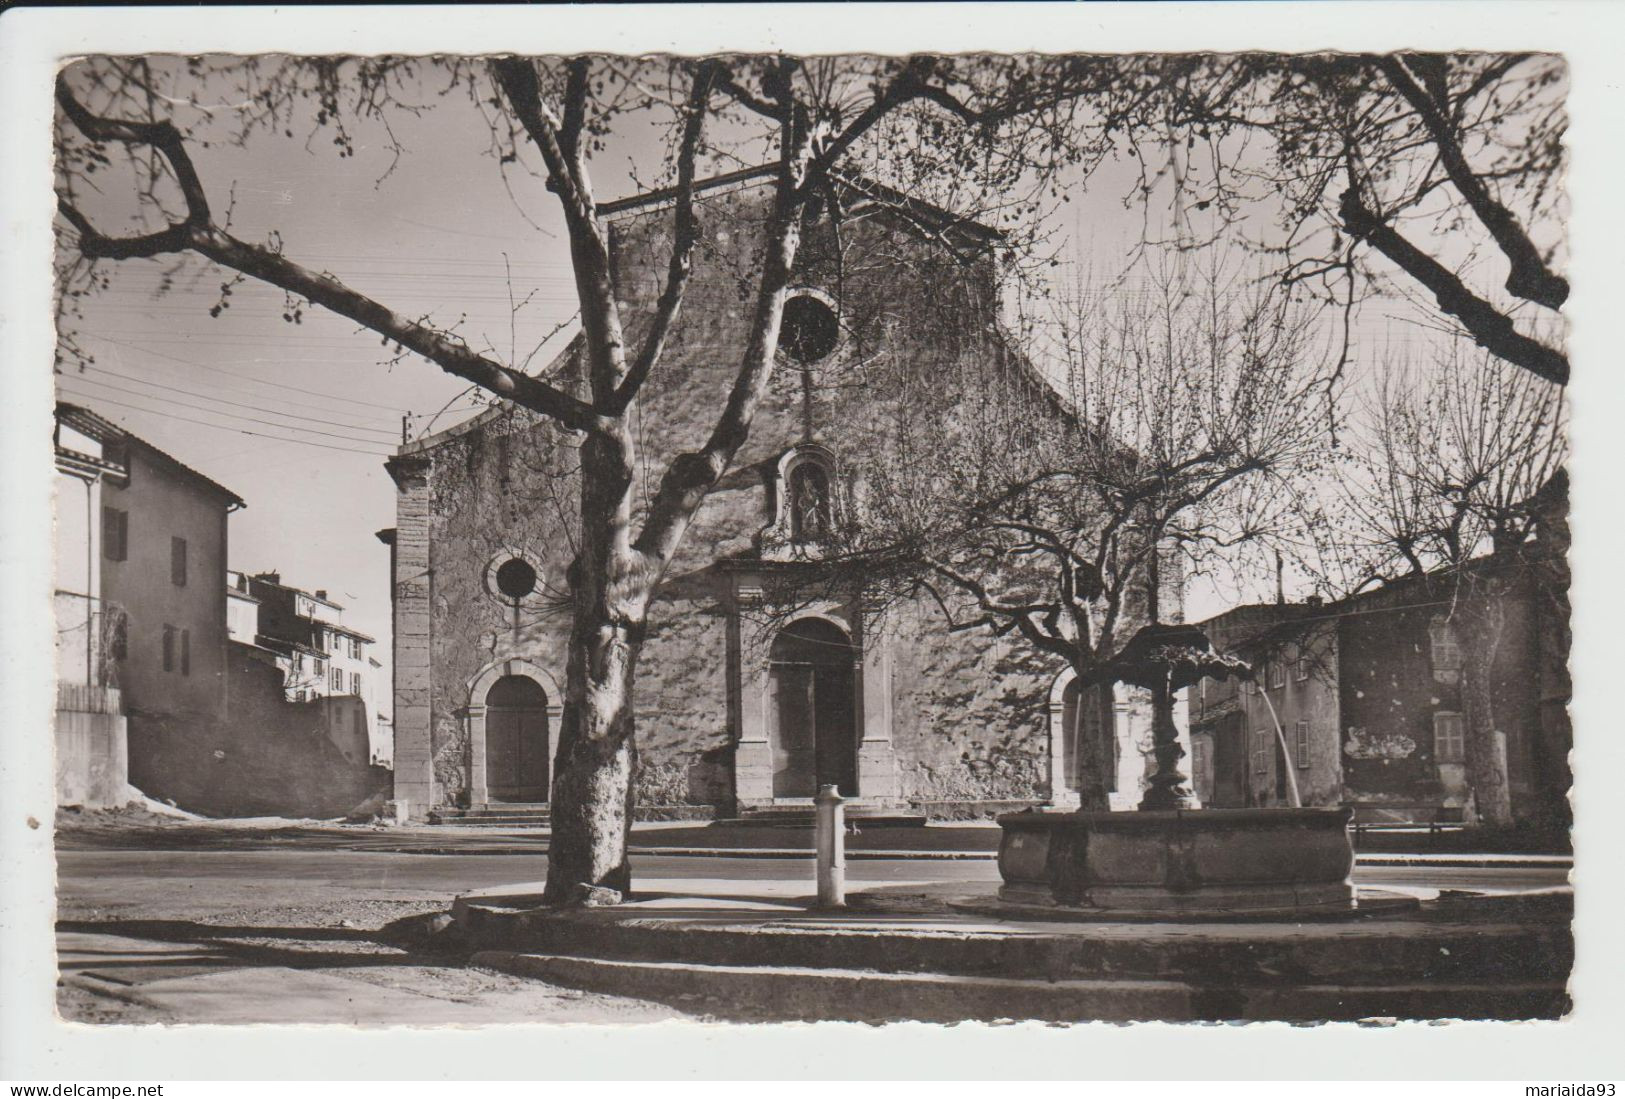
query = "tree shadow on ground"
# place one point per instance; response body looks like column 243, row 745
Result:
column 411, row 941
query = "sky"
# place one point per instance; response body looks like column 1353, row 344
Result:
column 299, row 418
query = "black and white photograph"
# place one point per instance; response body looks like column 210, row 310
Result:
column 736, row 537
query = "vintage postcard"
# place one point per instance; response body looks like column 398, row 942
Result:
column 625, row 529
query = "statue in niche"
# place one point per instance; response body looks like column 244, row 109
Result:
column 809, row 502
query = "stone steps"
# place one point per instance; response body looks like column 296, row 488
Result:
column 869, row 816
column 504, row 815
column 538, row 815
column 785, row 993
column 1370, row 953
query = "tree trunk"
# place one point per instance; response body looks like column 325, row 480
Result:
column 610, row 588
column 1479, row 617
column 596, row 763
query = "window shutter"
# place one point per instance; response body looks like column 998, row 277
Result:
column 115, row 533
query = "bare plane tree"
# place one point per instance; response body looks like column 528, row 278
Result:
column 1451, row 479
column 1062, row 509
column 979, row 134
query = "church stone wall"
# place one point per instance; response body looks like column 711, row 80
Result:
column 968, row 712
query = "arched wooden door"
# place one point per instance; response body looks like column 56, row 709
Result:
column 518, row 750
column 815, row 736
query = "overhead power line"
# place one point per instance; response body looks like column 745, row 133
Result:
column 239, row 404
column 99, row 399
column 219, row 412
column 244, row 377
column 261, row 381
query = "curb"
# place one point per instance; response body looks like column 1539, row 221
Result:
column 1507, row 862
column 1503, row 862
column 796, row 993
column 798, row 853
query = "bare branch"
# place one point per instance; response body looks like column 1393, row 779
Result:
column 1529, row 278
column 1489, row 327
column 686, row 236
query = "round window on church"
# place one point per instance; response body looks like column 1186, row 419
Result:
column 809, row 330
column 516, row 578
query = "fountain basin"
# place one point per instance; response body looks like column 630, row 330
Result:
column 1220, row 860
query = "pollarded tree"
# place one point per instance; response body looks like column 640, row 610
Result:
column 1452, row 477
column 978, row 135
column 1176, row 431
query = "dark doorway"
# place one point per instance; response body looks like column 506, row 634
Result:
column 815, row 740
column 1095, row 705
column 1229, row 764
column 517, row 748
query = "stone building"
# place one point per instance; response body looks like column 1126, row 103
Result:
column 92, row 764
column 1239, row 759
column 1369, row 693
column 323, row 660
column 746, row 702
column 162, row 554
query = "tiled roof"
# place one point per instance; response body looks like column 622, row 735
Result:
column 81, row 418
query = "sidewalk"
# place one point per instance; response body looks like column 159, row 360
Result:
column 124, row 978
column 977, row 840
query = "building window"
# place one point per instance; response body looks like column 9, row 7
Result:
column 808, row 328
column 1300, row 666
column 1199, row 763
column 115, row 534
column 169, row 648
column 186, row 652
column 320, row 665
column 516, row 578
column 355, row 683
column 177, row 562
column 1300, row 745
column 1277, row 673
column 1261, row 751
column 1446, row 652
column 338, row 681
column 1449, row 738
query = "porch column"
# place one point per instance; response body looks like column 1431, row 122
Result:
column 1060, row 795
column 877, row 759
column 411, row 594
column 753, row 752
column 478, row 793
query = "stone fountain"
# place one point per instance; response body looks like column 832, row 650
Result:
column 1169, row 857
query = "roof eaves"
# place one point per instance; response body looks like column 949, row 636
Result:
column 181, row 467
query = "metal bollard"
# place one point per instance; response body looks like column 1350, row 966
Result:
column 830, row 836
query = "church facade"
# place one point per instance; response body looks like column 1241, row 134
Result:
column 745, row 702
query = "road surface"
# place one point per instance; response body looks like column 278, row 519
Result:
column 142, row 881
column 291, row 935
